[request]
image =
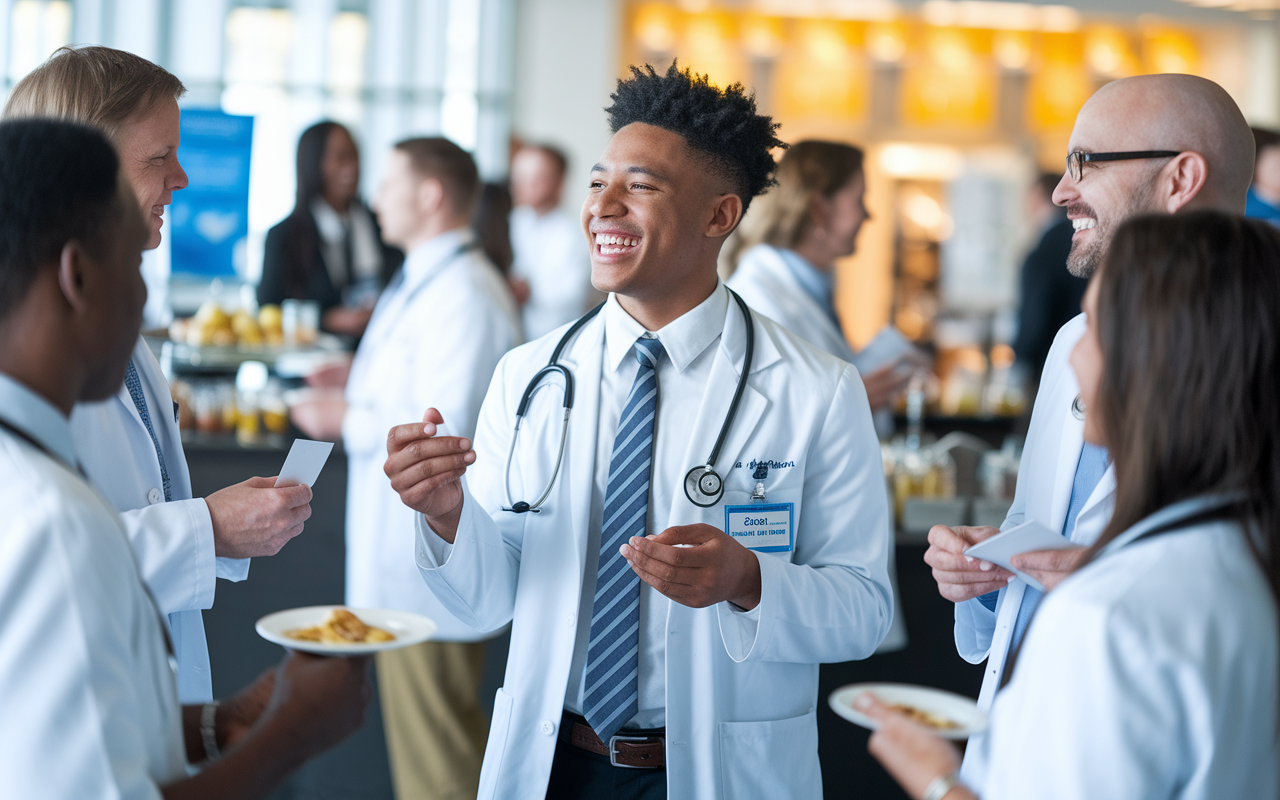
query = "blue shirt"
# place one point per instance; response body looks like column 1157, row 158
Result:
column 1256, row 207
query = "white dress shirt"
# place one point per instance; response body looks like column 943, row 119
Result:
column 552, row 255
column 89, row 697
column 688, row 343
column 172, row 541
column 433, row 341
column 1153, row 672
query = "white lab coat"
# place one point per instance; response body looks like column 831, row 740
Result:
column 770, row 287
column 89, row 699
column 173, row 541
column 1043, row 494
column 1151, row 673
column 741, row 699
column 552, row 255
column 433, row 341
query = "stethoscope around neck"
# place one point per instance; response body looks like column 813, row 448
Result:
column 702, row 484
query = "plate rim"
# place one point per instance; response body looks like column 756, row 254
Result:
column 844, row 710
column 354, row 649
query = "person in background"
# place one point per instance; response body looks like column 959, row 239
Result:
column 329, row 248
column 1165, row 144
column 90, row 701
column 791, row 243
column 653, row 652
column 1050, row 294
column 551, row 273
column 792, row 240
column 1264, row 194
column 129, row 445
column 434, row 340
column 1153, row 671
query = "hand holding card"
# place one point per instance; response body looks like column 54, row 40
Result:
column 1026, row 538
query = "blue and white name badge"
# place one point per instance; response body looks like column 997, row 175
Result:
column 763, row 527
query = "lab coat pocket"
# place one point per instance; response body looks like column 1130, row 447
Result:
column 771, row 759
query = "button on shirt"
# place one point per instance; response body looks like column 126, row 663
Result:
column 690, row 343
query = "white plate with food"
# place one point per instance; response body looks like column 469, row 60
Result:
column 949, row 715
column 342, row 631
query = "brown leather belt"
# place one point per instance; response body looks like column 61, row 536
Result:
column 639, row 751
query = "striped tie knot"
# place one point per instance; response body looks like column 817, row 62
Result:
column 649, row 352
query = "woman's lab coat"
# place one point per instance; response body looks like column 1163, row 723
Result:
column 769, row 286
column 172, row 541
column 1153, row 672
column 1043, row 494
column 434, row 340
column 87, row 696
column 741, row 717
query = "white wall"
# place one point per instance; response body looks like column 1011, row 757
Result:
column 566, row 67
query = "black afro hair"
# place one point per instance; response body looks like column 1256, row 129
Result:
column 722, row 126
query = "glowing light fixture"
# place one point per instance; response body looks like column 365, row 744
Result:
column 887, row 41
column 655, row 28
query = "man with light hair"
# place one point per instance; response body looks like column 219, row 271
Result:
column 129, row 444
column 1142, row 145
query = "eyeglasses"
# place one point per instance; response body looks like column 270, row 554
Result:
column 1076, row 159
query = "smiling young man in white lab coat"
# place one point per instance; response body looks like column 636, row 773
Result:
column 1063, row 482
column 715, row 668
column 129, row 444
column 434, row 339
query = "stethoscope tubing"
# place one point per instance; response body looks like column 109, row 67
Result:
column 553, row 366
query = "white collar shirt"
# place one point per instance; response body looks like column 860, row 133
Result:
column 85, row 680
column 690, row 344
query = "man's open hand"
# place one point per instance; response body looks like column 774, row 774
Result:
column 715, row 568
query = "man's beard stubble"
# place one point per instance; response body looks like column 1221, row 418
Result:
column 1084, row 260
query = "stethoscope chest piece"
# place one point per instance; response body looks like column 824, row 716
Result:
column 703, row 486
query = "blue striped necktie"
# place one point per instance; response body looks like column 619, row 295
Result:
column 134, row 383
column 612, row 650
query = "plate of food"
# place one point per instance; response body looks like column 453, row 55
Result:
column 342, row 631
column 949, row 715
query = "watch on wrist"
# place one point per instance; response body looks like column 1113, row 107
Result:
column 209, row 732
column 939, row 786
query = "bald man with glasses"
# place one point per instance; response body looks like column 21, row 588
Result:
column 1149, row 144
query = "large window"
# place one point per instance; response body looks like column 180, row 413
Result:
column 387, row 69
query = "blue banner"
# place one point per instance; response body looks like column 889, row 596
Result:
column 210, row 218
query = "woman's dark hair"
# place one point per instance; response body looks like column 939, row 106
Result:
column 302, row 248
column 491, row 224
column 1188, row 321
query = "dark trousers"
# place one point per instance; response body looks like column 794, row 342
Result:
column 577, row 774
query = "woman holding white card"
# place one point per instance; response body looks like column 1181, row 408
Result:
column 1154, row 670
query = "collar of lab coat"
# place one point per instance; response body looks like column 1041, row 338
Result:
column 1065, row 389
column 816, row 283
column 1171, row 514
column 36, row 417
column 684, row 338
column 770, row 260
column 421, row 263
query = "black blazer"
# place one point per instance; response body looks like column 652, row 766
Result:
column 275, row 284
column 1050, row 296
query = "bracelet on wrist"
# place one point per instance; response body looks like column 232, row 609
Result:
column 209, row 732
column 939, row 786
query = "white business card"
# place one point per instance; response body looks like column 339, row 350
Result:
column 303, row 464
column 1025, row 538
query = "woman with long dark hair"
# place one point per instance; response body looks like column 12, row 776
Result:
column 329, row 249
column 1154, row 670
